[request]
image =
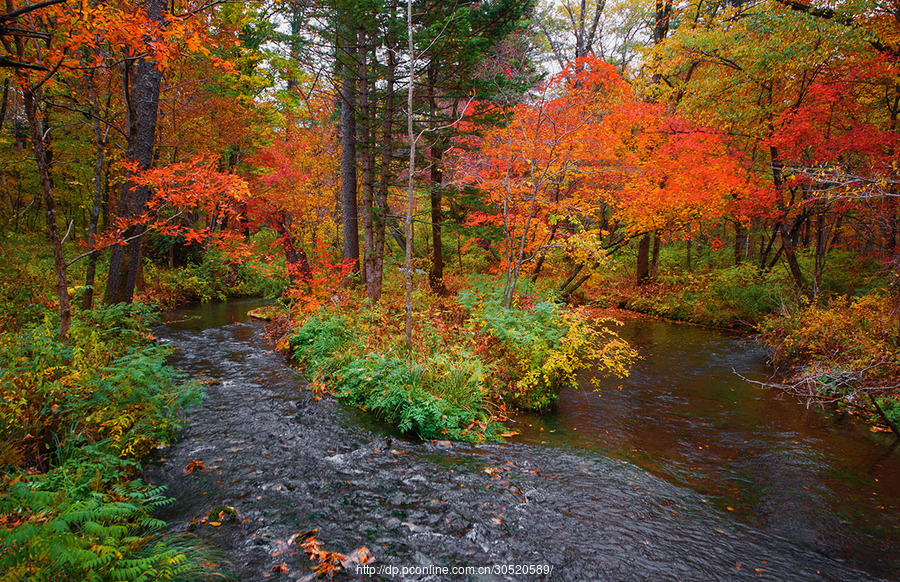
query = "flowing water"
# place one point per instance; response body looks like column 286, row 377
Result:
column 681, row 472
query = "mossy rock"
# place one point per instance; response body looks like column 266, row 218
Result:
column 267, row 313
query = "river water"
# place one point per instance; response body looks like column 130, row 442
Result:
column 681, row 472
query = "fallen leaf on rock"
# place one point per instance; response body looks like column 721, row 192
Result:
column 194, row 465
column 360, row 555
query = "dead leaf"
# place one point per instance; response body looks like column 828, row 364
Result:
column 194, row 465
column 360, row 555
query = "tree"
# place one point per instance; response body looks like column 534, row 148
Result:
column 533, row 168
column 34, row 68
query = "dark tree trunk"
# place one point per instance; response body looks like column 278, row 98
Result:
column 367, row 155
column 382, row 209
column 349, row 215
column 87, row 300
column 787, row 239
column 654, row 258
column 296, row 259
column 436, row 274
column 741, row 241
column 142, row 107
column 542, row 256
column 643, row 260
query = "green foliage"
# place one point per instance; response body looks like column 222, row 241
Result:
column 25, row 289
column 471, row 360
column 891, row 409
column 736, row 294
column 108, row 381
column 75, row 419
column 66, row 526
column 437, row 396
column 214, row 278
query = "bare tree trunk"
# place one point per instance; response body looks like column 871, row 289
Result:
column 37, row 144
column 787, row 241
column 87, row 300
column 410, row 192
column 542, row 256
column 741, row 240
column 367, row 154
column 436, row 274
column 374, row 285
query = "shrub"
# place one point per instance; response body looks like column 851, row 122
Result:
column 471, row 360
column 215, row 278
column 536, row 348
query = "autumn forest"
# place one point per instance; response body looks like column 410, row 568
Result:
column 441, row 211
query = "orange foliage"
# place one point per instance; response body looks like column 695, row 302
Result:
column 583, row 145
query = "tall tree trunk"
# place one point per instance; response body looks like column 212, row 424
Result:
column 40, row 157
column 410, row 191
column 436, row 274
column 349, row 215
column 654, row 258
column 542, row 255
column 142, row 108
column 741, row 240
column 382, row 210
column 87, row 299
column 787, row 241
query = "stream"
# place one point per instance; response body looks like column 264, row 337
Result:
column 680, row 472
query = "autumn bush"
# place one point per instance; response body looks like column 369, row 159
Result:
column 845, row 351
column 76, row 419
column 473, row 360
column 535, row 348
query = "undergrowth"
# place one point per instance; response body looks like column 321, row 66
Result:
column 76, row 419
column 214, row 276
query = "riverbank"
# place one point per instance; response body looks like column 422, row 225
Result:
column 77, row 420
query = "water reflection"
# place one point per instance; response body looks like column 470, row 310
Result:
column 200, row 316
column 819, row 479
